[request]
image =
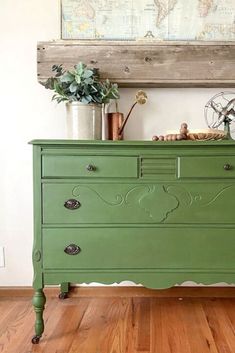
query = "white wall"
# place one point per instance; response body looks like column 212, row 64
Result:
column 27, row 113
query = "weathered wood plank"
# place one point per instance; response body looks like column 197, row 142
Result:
column 139, row 64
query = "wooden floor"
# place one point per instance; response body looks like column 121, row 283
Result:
column 121, row 325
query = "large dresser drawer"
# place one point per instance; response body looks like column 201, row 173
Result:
column 74, row 166
column 136, row 248
column 105, row 203
column 207, row 167
column 108, row 203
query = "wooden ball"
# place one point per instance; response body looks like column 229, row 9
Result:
column 184, row 126
column 155, row 138
column 179, row 137
column 161, row 138
column 184, row 129
column 183, row 136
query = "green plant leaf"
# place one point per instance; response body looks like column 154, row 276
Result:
column 79, row 68
column 87, row 73
column 67, row 77
column 73, row 87
column 78, row 79
column 88, row 81
column 84, row 100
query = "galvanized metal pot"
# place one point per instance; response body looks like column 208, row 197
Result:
column 84, row 121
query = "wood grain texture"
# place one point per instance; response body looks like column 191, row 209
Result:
column 113, row 291
column 131, row 64
column 121, row 325
column 220, row 326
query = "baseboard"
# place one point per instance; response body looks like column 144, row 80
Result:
column 175, row 292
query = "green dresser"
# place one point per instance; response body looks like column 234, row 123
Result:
column 156, row 213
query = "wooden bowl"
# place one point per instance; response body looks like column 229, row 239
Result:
column 205, row 135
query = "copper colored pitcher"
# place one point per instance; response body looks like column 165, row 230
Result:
column 115, row 122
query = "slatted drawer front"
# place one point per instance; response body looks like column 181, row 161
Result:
column 73, row 166
column 207, row 167
column 138, row 248
column 158, row 168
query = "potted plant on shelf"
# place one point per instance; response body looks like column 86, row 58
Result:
column 84, row 94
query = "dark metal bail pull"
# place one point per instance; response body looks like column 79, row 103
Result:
column 72, row 204
column 72, row 249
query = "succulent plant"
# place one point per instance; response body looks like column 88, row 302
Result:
column 82, row 84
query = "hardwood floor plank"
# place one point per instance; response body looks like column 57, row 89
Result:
column 116, row 334
column 62, row 325
column 157, row 345
column 198, row 331
column 7, row 310
column 229, row 307
column 142, row 309
column 120, row 325
column 90, row 332
column 131, row 324
column 168, row 329
column 220, row 325
column 11, row 327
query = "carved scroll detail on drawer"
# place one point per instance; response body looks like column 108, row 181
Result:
column 158, row 168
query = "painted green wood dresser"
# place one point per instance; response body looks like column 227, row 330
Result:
column 156, row 213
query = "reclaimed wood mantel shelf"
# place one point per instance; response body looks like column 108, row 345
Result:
column 146, row 64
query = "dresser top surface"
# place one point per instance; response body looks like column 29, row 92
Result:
column 131, row 143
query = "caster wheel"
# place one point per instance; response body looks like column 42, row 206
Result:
column 36, row 339
column 63, row 295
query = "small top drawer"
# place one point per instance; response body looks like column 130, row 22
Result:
column 207, row 167
column 73, row 166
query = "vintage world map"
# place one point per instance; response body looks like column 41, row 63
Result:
column 157, row 19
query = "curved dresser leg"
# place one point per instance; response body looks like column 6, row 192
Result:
column 39, row 301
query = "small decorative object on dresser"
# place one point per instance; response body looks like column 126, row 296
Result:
column 84, row 93
column 194, row 135
column 221, row 110
column 116, row 122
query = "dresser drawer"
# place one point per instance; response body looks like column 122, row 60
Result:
column 78, row 203
column 136, row 248
column 108, row 203
column 89, row 166
column 207, row 167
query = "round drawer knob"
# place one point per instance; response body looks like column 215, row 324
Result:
column 72, row 249
column 227, row 167
column 90, row 168
column 72, row 204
